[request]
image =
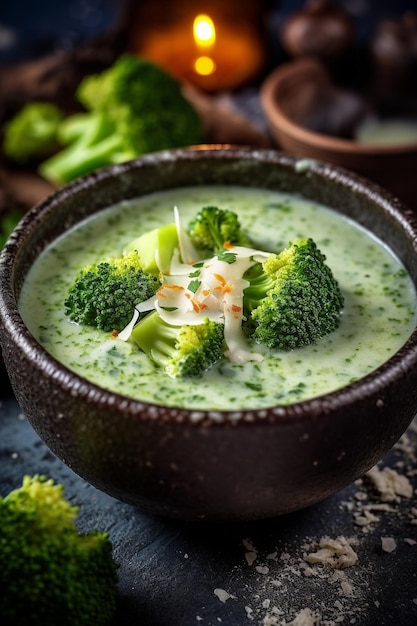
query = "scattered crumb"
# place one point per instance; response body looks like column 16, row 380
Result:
column 249, row 612
column 313, row 581
column 250, row 557
column 304, row 618
column 388, row 544
column 382, row 491
column 413, row 515
column 347, row 588
column 390, row 484
column 337, row 553
column 406, row 447
column 251, row 554
column 279, row 577
column 365, row 518
column 262, row 569
column 222, row 595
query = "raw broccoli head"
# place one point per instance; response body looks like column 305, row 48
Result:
column 183, row 351
column 213, row 227
column 134, row 107
column 105, row 294
column 144, row 102
column 50, row 573
column 293, row 298
column 31, row 135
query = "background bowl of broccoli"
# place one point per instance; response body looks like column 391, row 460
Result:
column 217, row 468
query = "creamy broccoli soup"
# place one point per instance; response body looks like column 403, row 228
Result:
column 379, row 303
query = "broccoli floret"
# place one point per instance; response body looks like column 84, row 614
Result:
column 133, row 107
column 213, row 227
column 50, row 573
column 104, row 294
column 31, row 135
column 293, row 298
column 183, row 351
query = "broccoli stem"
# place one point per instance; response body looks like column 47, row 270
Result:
column 76, row 127
column 156, row 338
column 260, row 284
column 156, row 248
column 94, row 148
column 80, row 159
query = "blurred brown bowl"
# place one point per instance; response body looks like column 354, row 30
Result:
column 299, row 93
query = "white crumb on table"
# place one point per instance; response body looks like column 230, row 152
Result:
column 337, row 553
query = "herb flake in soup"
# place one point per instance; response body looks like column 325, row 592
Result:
column 379, row 302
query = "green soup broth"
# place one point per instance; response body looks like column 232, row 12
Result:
column 378, row 317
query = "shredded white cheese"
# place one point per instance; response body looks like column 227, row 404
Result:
column 192, row 291
column 211, row 289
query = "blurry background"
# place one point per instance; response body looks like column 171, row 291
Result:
column 47, row 47
column 29, row 30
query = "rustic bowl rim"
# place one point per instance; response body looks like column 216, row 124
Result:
column 306, row 410
column 285, row 125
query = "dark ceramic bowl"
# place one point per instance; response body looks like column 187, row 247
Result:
column 226, row 466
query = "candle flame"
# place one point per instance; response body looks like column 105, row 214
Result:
column 204, row 66
column 204, row 36
column 204, row 31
